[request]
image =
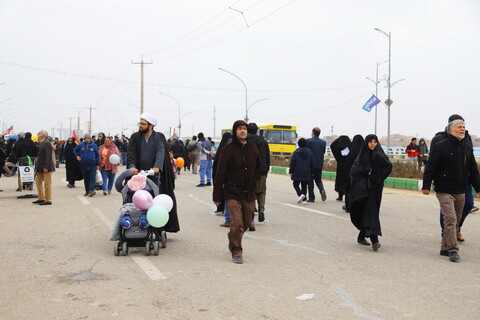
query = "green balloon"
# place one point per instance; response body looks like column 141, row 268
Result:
column 157, row 216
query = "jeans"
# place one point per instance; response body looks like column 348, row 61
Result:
column 205, row 170
column 89, row 172
column 107, row 175
column 227, row 215
column 317, row 178
column 466, row 208
column 303, row 189
column 124, row 158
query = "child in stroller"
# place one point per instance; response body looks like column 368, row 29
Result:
column 131, row 228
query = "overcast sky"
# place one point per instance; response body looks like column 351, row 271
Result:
column 309, row 58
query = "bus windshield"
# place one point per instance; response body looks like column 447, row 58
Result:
column 280, row 136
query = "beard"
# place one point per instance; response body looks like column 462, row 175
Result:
column 143, row 131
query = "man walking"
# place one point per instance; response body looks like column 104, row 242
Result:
column 43, row 168
column 205, row 156
column 193, row 149
column 147, row 149
column 451, row 166
column 412, row 151
column 264, row 151
column 318, row 147
column 238, row 170
column 87, row 153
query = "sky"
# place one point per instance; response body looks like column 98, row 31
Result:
column 305, row 60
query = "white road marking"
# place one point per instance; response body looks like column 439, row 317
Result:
column 328, row 214
column 286, row 243
column 358, row 310
column 145, row 264
column 83, row 200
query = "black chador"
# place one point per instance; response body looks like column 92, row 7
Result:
column 340, row 149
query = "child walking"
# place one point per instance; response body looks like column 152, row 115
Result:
column 302, row 167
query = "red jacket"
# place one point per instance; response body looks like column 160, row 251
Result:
column 412, row 150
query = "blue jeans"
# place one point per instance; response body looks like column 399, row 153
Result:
column 317, row 179
column 124, row 158
column 107, row 175
column 205, row 170
column 227, row 215
column 466, row 208
column 89, row 173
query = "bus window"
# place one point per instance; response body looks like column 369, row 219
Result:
column 289, row 137
column 274, row 136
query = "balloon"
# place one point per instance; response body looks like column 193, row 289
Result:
column 142, row 199
column 163, row 200
column 157, row 216
column 114, row 159
column 180, row 162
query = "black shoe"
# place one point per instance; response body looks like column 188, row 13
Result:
column 200, row 185
column 344, row 207
column 38, row 201
column 376, row 246
column 310, row 200
column 261, row 216
column 363, row 241
column 208, row 184
column 252, row 227
column 45, row 203
column 19, row 189
column 453, row 256
column 444, row 253
column 238, row 259
column 339, row 199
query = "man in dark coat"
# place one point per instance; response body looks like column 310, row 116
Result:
column 177, row 150
column 340, row 149
column 238, row 169
column 43, row 169
column 147, row 150
column 264, row 151
column 25, row 148
column 451, row 167
column 318, row 147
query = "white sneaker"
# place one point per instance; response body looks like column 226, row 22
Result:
column 304, row 202
column 300, row 199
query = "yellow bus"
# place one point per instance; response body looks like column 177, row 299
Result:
column 281, row 139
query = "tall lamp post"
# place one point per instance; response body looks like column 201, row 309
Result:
column 179, row 118
column 246, row 92
column 251, row 105
column 376, row 82
column 389, row 101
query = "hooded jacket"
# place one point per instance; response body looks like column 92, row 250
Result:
column 88, row 153
column 302, row 165
column 239, row 167
column 263, row 150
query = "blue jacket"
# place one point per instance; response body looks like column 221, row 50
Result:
column 318, row 147
column 89, row 154
column 302, row 165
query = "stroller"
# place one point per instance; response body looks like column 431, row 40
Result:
column 149, row 237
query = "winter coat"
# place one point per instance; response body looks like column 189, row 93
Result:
column 451, row 167
column 318, row 147
column 26, row 147
column 44, row 158
column 111, row 150
column 88, row 153
column 412, row 150
column 302, row 165
column 422, row 152
column 263, row 150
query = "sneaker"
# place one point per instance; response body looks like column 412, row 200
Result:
column 453, row 256
column 226, row 224
column 200, row 185
column 460, row 237
column 444, row 253
column 38, row 201
column 70, row 185
column 376, row 246
column 19, row 189
column 86, row 194
column 474, row 209
column 304, row 203
column 363, row 241
column 109, row 191
column 104, row 192
column 300, row 199
column 310, row 200
column 208, row 184
column 91, row 194
column 324, row 195
column 237, row 259
column 261, row 216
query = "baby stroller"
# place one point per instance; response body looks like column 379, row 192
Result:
column 136, row 235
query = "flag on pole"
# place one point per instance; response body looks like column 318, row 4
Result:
column 74, row 135
column 372, row 102
column 9, row 129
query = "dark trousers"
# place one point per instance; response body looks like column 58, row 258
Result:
column 241, row 215
column 466, row 208
column 317, row 179
column 303, row 189
column 89, row 173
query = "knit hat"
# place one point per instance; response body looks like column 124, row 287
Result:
column 87, row 136
column 149, row 118
column 302, row 143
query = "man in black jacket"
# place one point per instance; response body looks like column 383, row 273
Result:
column 451, row 166
column 264, row 152
column 25, row 147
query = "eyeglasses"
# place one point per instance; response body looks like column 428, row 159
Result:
column 142, row 124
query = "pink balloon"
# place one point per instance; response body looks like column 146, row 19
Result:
column 142, row 199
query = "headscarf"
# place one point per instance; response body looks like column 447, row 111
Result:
column 355, row 147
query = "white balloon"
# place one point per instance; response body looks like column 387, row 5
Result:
column 164, row 200
column 114, row 159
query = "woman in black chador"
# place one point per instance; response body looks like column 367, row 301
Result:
column 369, row 170
column 355, row 147
column 340, row 150
column 72, row 165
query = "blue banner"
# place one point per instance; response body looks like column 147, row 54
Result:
column 372, row 102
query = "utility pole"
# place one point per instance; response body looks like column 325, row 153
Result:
column 90, row 119
column 61, row 130
column 332, row 131
column 78, row 123
column 141, row 63
column 70, row 128
column 214, row 124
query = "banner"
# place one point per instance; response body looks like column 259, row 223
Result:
column 372, row 102
column 26, row 174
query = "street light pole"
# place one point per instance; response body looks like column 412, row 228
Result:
column 246, row 92
column 256, row 102
column 376, row 82
column 389, row 101
column 179, row 119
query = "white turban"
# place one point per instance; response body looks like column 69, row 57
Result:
column 149, row 117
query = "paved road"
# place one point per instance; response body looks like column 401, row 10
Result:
column 56, row 262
